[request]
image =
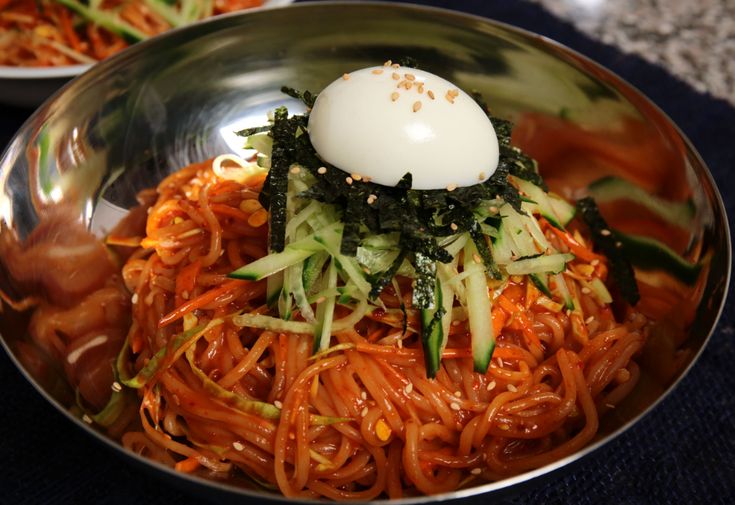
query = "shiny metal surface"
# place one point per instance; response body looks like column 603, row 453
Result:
column 167, row 102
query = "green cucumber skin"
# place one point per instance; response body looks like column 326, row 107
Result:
column 649, row 254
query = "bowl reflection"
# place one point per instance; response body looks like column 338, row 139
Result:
column 175, row 100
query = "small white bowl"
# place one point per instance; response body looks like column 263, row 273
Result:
column 30, row 86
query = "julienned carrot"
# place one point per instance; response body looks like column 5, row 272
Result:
column 520, row 313
column 220, row 208
column 499, row 317
column 187, row 465
column 575, row 247
column 68, row 29
column 200, row 301
column 186, row 280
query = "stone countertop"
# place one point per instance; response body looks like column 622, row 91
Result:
column 694, row 40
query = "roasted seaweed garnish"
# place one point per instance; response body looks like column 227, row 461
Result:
column 307, row 96
column 418, row 216
column 612, row 248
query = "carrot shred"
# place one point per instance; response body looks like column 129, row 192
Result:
column 200, row 301
column 226, row 210
column 575, row 247
column 520, row 314
column 186, row 280
column 187, row 465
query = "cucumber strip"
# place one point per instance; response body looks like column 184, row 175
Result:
column 502, row 252
column 285, row 300
column 524, row 242
column 325, row 312
column 330, row 242
column 479, row 308
column 432, row 332
column 650, row 254
column 274, row 285
column 553, row 263
column 108, row 21
column 538, row 195
column 272, row 323
column 541, row 281
column 599, row 289
column 563, row 209
column 561, row 287
column 302, row 217
column 535, row 230
column 612, row 188
column 296, row 279
column 295, row 252
column 313, row 267
column 279, row 325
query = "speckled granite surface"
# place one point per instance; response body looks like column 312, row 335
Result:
column 694, row 40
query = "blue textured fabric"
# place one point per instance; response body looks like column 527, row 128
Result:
column 681, row 453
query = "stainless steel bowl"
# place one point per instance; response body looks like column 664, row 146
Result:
column 167, row 102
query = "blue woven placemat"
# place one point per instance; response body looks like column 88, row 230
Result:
column 681, row 453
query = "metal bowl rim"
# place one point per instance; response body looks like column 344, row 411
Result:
column 498, row 486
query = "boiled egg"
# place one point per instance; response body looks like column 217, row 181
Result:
column 382, row 122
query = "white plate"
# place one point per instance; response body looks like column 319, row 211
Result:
column 30, row 86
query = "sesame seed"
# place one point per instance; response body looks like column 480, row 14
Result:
column 295, row 169
column 408, row 388
column 504, row 427
column 363, row 395
column 388, row 63
column 238, row 446
column 453, row 92
column 512, row 388
column 589, row 320
column 451, row 187
column 134, row 299
column 481, row 176
column 493, row 209
column 321, row 170
column 394, row 96
column 476, row 257
column 491, row 386
column 586, row 290
column 407, row 85
column 449, row 97
column 395, row 65
column 605, row 233
column 618, row 244
column 348, row 180
column 278, row 404
column 356, row 177
column 416, row 106
column 321, row 299
column 476, row 471
column 364, row 412
column 378, row 71
column 395, row 76
column 458, row 394
column 421, row 87
column 346, row 77
column 501, row 363
column 410, row 77
column 116, row 387
column 610, row 405
column 291, row 436
column 453, row 226
column 456, row 323
column 399, row 344
column 431, row 94
column 455, row 406
column 595, row 262
column 87, row 419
